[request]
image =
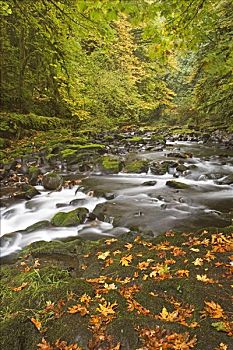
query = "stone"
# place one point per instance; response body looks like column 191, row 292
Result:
column 72, row 218
column 177, row 185
column 52, row 181
column 149, row 183
column 26, row 192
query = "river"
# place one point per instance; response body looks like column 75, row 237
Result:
column 135, row 203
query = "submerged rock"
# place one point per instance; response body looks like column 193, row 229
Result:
column 177, row 185
column 52, row 181
column 72, row 218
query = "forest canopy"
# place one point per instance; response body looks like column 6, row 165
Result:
column 108, row 62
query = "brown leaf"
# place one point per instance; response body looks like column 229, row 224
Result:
column 214, row 310
column 44, row 345
column 82, row 310
column 18, row 289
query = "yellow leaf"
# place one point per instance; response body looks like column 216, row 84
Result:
column 198, row 262
column 128, row 246
column 85, row 299
column 106, row 308
column 110, row 241
column 204, row 278
column 104, row 255
column 126, row 260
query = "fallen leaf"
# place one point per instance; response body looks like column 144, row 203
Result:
column 18, row 289
column 214, row 310
column 128, row 246
column 110, row 241
column 81, row 309
column 106, row 308
column 182, row 273
column 36, row 323
column 85, row 299
column 126, row 260
column 104, row 255
column 205, row 279
column 198, row 262
column 44, row 345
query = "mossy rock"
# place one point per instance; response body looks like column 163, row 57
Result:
column 52, row 181
column 136, row 166
column 72, row 218
column 178, row 185
column 111, row 164
column 26, row 192
column 135, row 139
column 38, row 226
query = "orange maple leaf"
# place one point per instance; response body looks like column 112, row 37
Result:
column 36, row 323
column 126, row 260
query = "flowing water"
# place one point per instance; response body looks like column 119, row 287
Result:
column 153, row 209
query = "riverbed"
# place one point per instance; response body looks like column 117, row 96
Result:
column 142, row 202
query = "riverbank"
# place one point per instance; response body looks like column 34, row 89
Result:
column 128, row 293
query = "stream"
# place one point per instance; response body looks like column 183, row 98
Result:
column 138, row 201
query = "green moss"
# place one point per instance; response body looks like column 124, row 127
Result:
column 72, row 218
column 135, row 139
column 177, row 185
column 111, row 164
column 136, row 166
column 66, row 153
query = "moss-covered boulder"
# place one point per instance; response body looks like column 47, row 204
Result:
column 26, row 192
column 110, row 164
column 72, row 218
column 178, row 185
column 52, row 181
column 136, row 166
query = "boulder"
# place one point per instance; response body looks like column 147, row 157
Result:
column 149, row 183
column 52, row 181
column 26, row 192
column 72, row 218
column 136, row 166
column 177, row 185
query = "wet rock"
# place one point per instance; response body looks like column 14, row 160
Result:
column 72, row 218
column 177, row 185
column 38, row 226
column 9, row 213
column 159, row 168
column 149, row 183
column 52, row 181
column 26, row 192
column 136, row 166
column 34, row 172
column 181, row 168
column 180, row 155
column 109, row 196
column 228, row 180
column 110, row 164
column 62, row 205
column 77, row 201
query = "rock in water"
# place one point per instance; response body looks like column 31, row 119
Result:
column 52, row 181
column 72, row 218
